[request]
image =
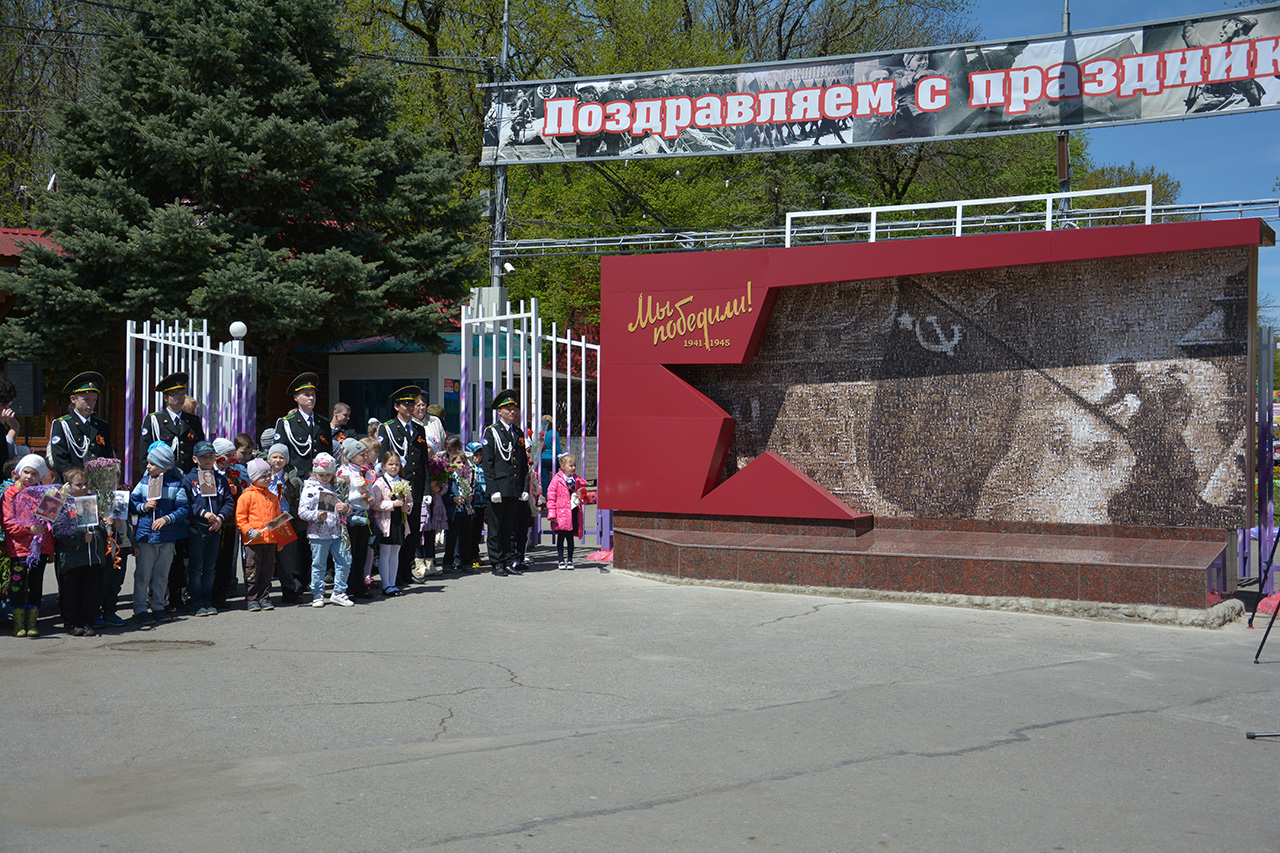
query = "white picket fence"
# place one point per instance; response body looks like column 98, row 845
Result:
column 220, row 377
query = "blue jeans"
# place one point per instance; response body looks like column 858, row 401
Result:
column 320, row 551
column 202, row 563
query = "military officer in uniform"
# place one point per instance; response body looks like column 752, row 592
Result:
column 505, row 462
column 409, row 442
column 181, row 431
column 303, row 431
column 176, row 428
column 79, row 436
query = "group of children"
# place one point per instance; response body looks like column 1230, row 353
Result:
column 352, row 513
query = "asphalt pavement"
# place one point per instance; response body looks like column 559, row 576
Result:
column 584, row 711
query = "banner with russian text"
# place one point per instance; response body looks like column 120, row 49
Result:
column 1222, row 63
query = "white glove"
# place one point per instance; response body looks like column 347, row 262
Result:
column 496, row 497
column 524, row 496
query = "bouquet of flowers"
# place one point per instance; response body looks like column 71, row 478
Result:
column 463, row 488
column 400, row 490
column 104, row 479
column 438, row 469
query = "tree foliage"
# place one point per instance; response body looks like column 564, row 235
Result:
column 597, row 37
column 45, row 60
column 232, row 163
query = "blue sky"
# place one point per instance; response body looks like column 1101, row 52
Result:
column 1221, row 158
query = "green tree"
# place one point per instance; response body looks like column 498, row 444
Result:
column 45, row 59
column 231, row 163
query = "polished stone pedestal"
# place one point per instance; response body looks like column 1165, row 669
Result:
column 1177, row 567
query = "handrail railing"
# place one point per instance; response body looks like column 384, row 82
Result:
column 1049, row 199
column 751, row 238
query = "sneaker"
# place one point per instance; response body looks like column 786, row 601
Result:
column 318, row 601
column 267, row 605
column 207, row 611
column 113, row 621
column 569, row 565
column 560, row 565
column 391, row 592
column 144, row 618
column 341, row 599
column 76, row 631
column 255, row 607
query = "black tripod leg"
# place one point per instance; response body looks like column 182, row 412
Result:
column 1262, row 579
column 1266, row 634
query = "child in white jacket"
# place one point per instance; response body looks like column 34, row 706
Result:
column 320, row 508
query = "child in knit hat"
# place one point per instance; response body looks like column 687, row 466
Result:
column 26, row 584
column 324, row 512
column 162, row 521
column 232, row 466
column 211, row 506
column 358, row 474
column 294, row 560
column 255, row 509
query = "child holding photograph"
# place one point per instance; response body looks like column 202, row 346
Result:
column 257, row 508
column 160, row 502
column 323, row 512
column 80, row 556
column 21, row 539
column 210, row 507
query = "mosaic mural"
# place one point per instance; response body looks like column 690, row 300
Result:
column 1097, row 392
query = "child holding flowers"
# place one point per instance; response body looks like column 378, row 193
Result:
column 392, row 502
column 462, row 483
column 563, row 509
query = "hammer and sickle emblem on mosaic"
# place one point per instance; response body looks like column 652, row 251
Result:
column 942, row 344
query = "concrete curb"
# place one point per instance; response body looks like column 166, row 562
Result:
column 1212, row 617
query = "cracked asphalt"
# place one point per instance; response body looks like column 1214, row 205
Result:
column 588, row 711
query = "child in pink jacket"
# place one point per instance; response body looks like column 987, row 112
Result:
column 390, row 505
column 563, row 510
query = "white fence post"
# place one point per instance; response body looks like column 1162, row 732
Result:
column 222, row 379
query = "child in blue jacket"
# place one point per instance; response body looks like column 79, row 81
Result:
column 162, row 522
column 207, row 515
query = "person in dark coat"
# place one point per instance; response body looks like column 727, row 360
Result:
column 409, row 442
column 176, row 428
column 303, row 431
column 8, row 420
column 79, row 435
column 506, row 476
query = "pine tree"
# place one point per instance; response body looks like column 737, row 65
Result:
column 231, row 163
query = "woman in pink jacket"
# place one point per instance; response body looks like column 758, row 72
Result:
column 563, row 510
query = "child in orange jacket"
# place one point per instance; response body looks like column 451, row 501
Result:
column 256, row 507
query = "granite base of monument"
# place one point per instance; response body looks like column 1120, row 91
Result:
column 1173, row 567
